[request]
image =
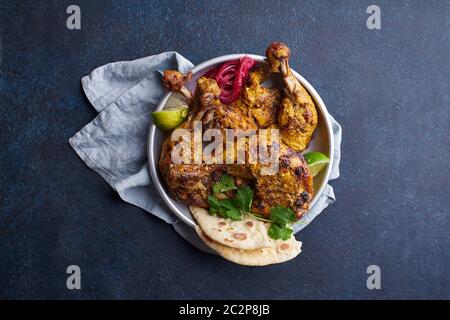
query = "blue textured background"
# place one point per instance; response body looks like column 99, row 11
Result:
column 388, row 88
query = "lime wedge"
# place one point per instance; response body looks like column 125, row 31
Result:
column 317, row 161
column 170, row 118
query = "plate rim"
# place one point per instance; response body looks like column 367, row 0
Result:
column 152, row 162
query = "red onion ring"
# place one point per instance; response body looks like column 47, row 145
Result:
column 231, row 77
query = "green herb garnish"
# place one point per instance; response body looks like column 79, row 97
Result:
column 226, row 183
column 230, row 210
column 244, row 198
column 225, row 208
column 214, row 205
column 276, row 232
column 281, row 219
column 282, row 216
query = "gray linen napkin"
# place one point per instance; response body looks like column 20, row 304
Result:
column 114, row 144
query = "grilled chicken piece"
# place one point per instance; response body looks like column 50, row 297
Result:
column 174, row 80
column 191, row 183
column 297, row 118
column 258, row 102
column 218, row 115
column 291, row 186
column 222, row 116
column 188, row 183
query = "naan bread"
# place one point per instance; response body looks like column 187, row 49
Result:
column 280, row 251
column 247, row 234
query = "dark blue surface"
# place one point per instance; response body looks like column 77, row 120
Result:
column 388, row 88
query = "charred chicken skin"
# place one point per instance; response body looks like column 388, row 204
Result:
column 259, row 102
column 217, row 115
column 191, row 183
column 291, row 186
column 297, row 117
column 188, row 183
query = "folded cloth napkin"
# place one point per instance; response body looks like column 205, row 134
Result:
column 114, row 144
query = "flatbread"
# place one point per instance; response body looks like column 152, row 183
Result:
column 247, row 234
column 280, row 251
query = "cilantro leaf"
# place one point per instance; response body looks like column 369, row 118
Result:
column 228, row 203
column 244, row 197
column 232, row 213
column 225, row 208
column 281, row 219
column 226, row 183
column 214, row 205
column 230, row 210
column 276, row 232
column 282, row 216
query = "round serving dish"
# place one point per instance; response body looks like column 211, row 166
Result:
column 322, row 140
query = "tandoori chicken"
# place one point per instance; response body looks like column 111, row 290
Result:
column 297, row 117
column 258, row 107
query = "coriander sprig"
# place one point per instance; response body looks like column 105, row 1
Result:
column 281, row 222
column 226, row 183
column 230, row 208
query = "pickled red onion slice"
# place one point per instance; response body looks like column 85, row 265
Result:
column 231, row 77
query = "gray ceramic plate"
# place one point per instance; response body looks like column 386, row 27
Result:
column 322, row 140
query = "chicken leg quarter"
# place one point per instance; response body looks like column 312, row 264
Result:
column 297, row 117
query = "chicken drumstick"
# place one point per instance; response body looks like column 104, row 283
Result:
column 298, row 115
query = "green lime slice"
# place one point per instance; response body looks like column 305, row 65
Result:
column 170, row 118
column 317, row 161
